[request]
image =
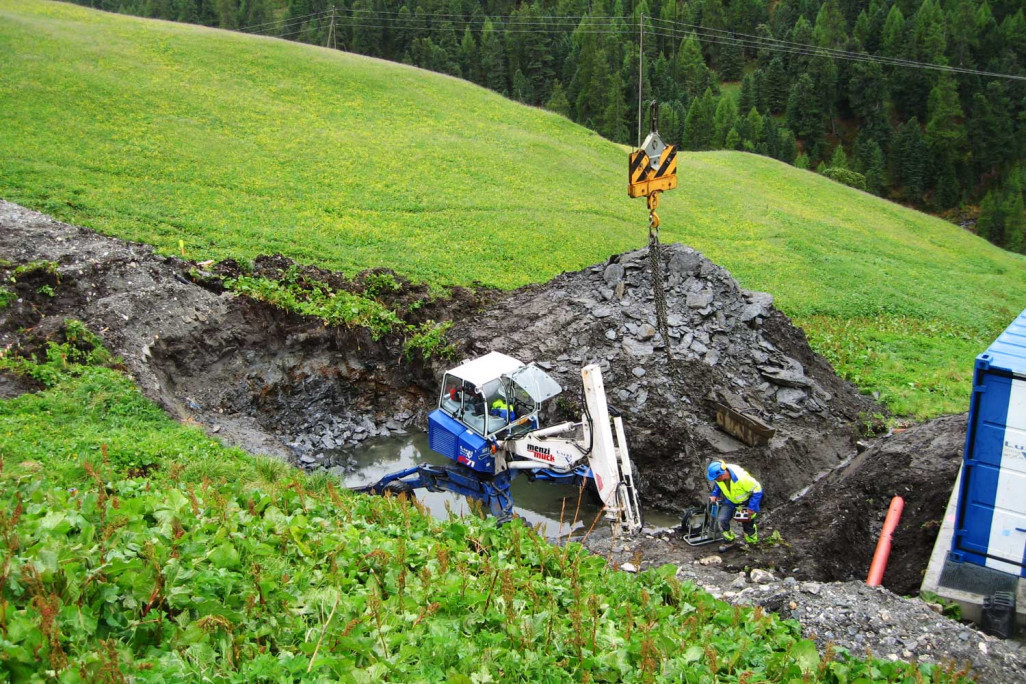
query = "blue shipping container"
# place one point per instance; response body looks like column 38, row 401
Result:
column 990, row 524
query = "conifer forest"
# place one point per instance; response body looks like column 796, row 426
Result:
column 919, row 101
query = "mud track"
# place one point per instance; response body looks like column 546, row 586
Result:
column 286, row 386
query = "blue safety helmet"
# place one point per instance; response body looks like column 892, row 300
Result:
column 715, row 470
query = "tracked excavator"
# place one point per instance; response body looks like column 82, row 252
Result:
column 488, row 423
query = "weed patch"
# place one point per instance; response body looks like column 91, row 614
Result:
column 216, row 581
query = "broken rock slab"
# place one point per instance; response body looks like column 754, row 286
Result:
column 785, row 377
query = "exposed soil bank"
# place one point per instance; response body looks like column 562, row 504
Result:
column 287, row 386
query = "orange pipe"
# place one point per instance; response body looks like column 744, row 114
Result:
column 883, row 546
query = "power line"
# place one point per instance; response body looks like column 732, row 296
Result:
column 538, row 24
column 248, row 29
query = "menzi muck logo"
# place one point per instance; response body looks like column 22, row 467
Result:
column 1013, row 447
column 541, row 452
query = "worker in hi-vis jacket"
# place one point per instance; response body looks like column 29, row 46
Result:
column 732, row 488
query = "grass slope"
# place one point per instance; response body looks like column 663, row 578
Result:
column 238, row 146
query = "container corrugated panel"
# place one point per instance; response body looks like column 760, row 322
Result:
column 990, row 524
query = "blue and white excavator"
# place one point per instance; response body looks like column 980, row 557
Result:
column 487, row 423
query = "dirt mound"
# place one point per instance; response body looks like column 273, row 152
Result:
column 832, row 529
column 729, row 347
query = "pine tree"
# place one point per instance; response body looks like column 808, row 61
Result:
column 946, row 194
column 723, row 121
column 804, row 116
column 447, row 54
column 670, row 122
column 557, row 101
column 613, row 124
column 777, row 88
column 991, row 223
column 745, row 16
column 732, row 61
column 839, row 160
column 1013, row 28
column 944, row 131
column 909, row 159
column 732, row 140
column 797, row 62
column 493, row 61
column 874, row 169
column 690, row 67
column 1015, row 226
column 945, row 139
column 963, row 36
column 823, row 71
column 522, row 87
column 752, row 129
column 893, row 38
column 863, row 31
column 368, row 38
column 748, row 97
column 530, row 50
column 866, row 90
column 714, row 16
column 468, row 57
column 590, row 82
column 698, row 126
column 831, row 30
column 991, row 133
column 664, row 88
column 789, row 147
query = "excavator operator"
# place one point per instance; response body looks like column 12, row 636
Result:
column 733, row 487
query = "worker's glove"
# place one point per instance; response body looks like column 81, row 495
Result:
column 750, row 513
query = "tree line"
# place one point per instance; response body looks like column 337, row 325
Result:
column 838, row 86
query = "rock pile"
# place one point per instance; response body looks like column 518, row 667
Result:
column 320, row 412
column 858, row 618
column 730, row 347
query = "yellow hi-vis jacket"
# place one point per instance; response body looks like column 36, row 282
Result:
column 741, row 488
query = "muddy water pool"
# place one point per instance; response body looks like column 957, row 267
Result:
column 535, row 502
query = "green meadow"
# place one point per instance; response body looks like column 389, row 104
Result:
column 235, row 145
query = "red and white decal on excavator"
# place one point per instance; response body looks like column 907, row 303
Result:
column 541, row 453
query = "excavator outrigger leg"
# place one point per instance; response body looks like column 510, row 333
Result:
column 493, row 492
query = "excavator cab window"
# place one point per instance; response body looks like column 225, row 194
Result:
column 500, row 410
column 462, row 400
column 504, row 406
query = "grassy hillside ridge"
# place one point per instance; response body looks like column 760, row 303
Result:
column 239, row 145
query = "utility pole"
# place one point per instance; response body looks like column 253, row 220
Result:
column 641, row 68
column 331, row 32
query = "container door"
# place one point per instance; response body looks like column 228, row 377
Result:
column 991, row 529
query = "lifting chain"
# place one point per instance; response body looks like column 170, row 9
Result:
column 655, row 256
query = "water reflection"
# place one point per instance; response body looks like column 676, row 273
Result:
column 535, row 502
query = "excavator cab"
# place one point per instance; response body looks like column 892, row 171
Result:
column 494, row 397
